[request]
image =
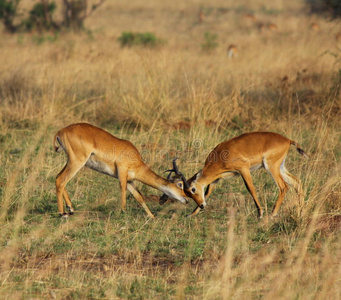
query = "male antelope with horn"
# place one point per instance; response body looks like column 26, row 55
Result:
column 239, row 156
column 90, row 146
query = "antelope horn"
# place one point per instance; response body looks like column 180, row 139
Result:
column 175, row 169
column 163, row 199
column 177, row 172
column 170, row 173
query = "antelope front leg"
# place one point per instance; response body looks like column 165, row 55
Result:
column 246, row 175
column 122, row 176
column 137, row 195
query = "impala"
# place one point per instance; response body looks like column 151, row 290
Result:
column 239, row 156
column 90, row 146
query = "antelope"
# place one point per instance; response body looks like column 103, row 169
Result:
column 263, row 27
column 232, row 51
column 272, row 26
column 90, row 146
column 201, row 16
column 239, row 156
column 338, row 37
column 314, row 26
column 250, row 16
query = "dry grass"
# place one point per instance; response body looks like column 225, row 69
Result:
column 171, row 101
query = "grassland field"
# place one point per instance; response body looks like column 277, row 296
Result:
column 172, row 100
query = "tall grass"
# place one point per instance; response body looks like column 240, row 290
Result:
column 172, row 101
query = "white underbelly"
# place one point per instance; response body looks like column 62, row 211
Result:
column 229, row 174
column 255, row 167
column 100, row 166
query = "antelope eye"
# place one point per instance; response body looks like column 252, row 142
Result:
column 193, row 190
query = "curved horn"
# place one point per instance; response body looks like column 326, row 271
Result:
column 177, row 172
column 170, row 173
column 175, row 169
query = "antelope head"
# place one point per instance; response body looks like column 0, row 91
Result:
column 179, row 179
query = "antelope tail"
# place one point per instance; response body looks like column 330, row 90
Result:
column 57, row 144
column 299, row 150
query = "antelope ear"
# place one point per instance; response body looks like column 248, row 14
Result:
column 197, row 176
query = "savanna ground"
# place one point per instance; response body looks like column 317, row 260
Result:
column 173, row 100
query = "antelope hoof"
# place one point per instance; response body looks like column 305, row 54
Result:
column 70, row 210
column 63, row 215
